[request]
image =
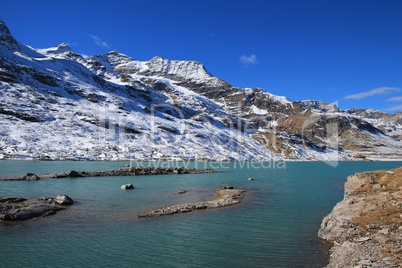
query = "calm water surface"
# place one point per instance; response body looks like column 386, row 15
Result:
column 274, row 226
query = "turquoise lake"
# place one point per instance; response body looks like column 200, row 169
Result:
column 275, row 225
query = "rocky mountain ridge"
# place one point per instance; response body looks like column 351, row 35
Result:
column 57, row 104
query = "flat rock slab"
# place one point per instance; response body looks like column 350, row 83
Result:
column 17, row 209
column 224, row 198
column 127, row 171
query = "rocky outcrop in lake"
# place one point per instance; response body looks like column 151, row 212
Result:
column 127, row 186
column 63, row 200
column 126, row 171
column 365, row 227
column 224, row 198
column 17, row 209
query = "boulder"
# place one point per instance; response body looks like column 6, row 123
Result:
column 31, row 177
column 227, row 187
column 127, row 186
column 73, row 174
column 63, row 200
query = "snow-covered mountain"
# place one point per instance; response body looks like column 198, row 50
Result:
column 57, row 104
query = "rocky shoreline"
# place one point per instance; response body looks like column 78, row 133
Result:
column 225, row 197
column 365, row 228
column 126, row 171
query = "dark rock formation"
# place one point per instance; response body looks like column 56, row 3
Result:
column 24, row 212
column 31, row 177
column 73, row 174
column 17, row 209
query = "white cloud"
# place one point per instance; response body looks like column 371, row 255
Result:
column 373, row 92
column 397, row 108
column 396, row 98
column 99, row 42
column 249, row 60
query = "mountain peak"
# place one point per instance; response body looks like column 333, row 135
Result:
column 64, row 46
column 185, row 69
column 117, row 58
column 157, row 58
column 6, row 39
column 320, row 105
column 115, row 53
column 127, row 102
column 61, row 50
column 3, row 29
column 107, row 62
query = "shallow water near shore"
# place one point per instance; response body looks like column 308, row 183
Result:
column 275, row 225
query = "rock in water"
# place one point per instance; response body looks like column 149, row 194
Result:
column 225, row 198
column 16, row 209
column 25, row 212
column 73, row 174
column 181, row 192
column 127, row 186
column 63, row 200
column 31, row 177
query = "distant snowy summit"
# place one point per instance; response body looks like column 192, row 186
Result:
column 57, row 104
column 60, row 49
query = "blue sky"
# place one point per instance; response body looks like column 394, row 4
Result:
column 348, row 52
